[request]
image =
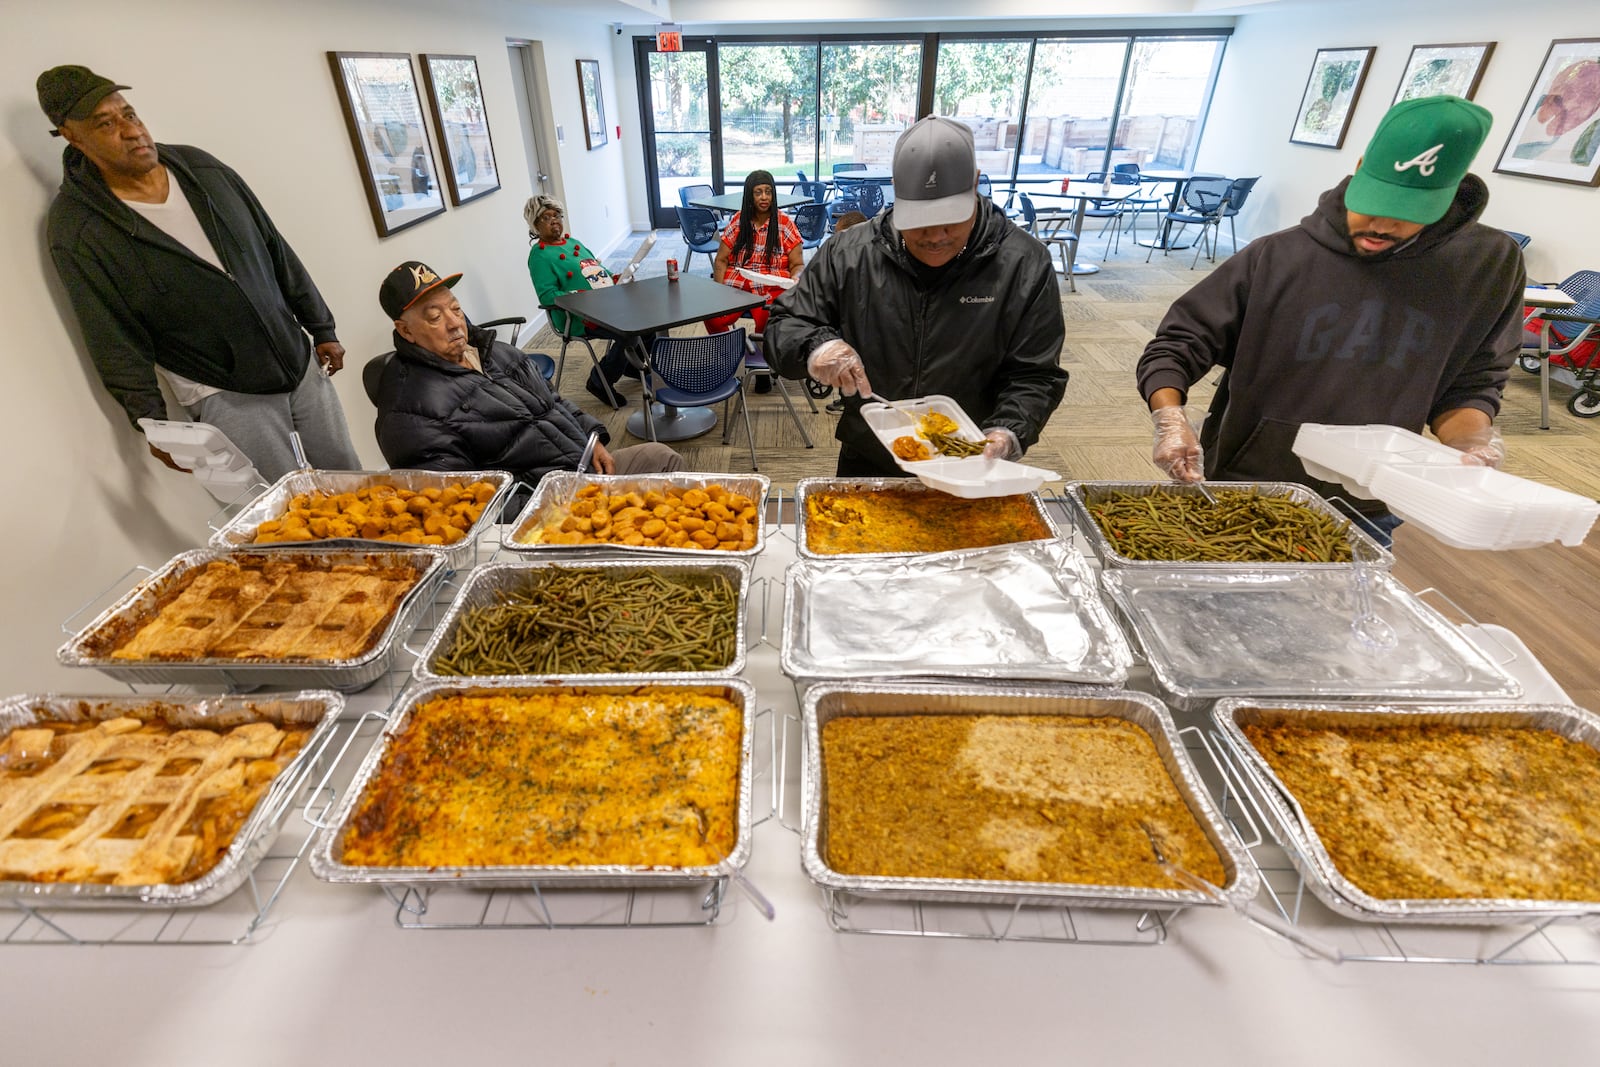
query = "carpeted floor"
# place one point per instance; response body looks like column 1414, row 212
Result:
column 1101, row 430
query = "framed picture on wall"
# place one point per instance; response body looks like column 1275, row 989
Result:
column 1557, row 134
column 1337, row 75
column 594, row 105
column 384, row 115
column 1444, row 70
column 455, row 92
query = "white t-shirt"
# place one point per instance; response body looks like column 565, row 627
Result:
column 176, row 218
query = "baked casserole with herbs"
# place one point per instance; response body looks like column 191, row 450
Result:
column 564, row 778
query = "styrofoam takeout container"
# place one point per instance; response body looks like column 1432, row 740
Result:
column 970, row 476
column 1425, row 482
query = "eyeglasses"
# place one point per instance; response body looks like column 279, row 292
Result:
column 550, row 216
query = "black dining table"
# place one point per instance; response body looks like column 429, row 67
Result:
column 638, row 311
column 728, row 203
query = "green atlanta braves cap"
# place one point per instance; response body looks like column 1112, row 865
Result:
column 1417, row 157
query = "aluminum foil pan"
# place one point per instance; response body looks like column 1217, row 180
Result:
column 557, row 490
column 255, row 836
column 326, row 851
column 1026, row 611
column 1082, row 494
column 347, row 675
column 825, row 702
column 1288, row 823
column 806, row 486
column 1209, row 634
column 484, row 586
column 240, row 532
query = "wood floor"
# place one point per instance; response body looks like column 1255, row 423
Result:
column 1101, row 430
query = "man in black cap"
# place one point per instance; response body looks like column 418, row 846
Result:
column 173, row 266
column 454, row 398
column 941, row 294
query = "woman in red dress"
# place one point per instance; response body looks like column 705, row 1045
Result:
column 762, row 239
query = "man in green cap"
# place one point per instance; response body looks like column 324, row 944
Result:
column 1390, row 303
column 172, row 265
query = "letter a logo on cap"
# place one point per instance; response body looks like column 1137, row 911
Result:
column 1424, row 162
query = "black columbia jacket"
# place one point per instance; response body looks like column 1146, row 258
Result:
column 1309, row 331
column 987, row 332
column 142, row 298
column 436, row 415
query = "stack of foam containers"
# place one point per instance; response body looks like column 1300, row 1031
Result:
column 1425, row 483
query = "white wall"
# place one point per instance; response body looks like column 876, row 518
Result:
column 1263, row 76
column 251, row 84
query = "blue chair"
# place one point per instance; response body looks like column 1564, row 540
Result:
column 1238, row 193
column 812, row 222
column 869, row 198
column 799, row 175
column 701, row 232
column 687, row 193
column 696, row 372
column 1112, row 211
column 985, row 186
column 1203, row 201
column 817, row 191
column 1053, row 231
column 845, row 168
column 1522, row 239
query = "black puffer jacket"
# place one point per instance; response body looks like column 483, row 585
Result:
column 435, row 415
column 141, row 296
column 987, row 332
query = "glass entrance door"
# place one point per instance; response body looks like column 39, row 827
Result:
column 683, row 140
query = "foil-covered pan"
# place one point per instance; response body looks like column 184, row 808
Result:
column 1210, row 634
column 488, row 582
column 1287, row 821
column 142, row 601
column 240, row 532
column 255, row 836
column 805, row 487
column 327, row 851
column 556, row 492
column 827, row 701
column 1025, row 611
column 1081, row 494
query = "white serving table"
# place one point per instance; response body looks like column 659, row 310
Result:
column 331, row 979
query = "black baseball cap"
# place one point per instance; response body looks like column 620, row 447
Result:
column 72, row 92
column 407, row 284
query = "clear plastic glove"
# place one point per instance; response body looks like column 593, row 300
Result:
column 1177, row 450
column 1001, row 443
column 835, row 363
column 1481, row 448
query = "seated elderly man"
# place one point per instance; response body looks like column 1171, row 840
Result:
column 454, row 398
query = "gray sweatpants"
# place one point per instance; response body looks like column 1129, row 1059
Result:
column 260, row 425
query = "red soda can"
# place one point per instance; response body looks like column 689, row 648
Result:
column 672, row 270
column 1064, row 182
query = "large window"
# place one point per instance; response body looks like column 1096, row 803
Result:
column 982, row 83
column 1037, row 106
column 869, row 94
column 769, row 109
column 1169, row 88
column 1072, row 95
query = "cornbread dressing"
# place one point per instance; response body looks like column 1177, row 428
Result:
column 649, row 778
column 1029, row 798
column 1433, row 811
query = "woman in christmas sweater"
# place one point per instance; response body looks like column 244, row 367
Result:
column 559, row 263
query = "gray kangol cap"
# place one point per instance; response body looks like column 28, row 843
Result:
column 935, row 174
